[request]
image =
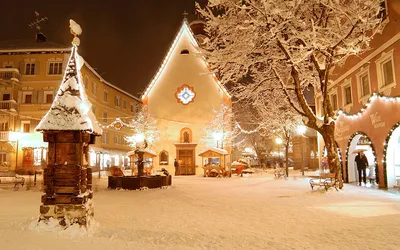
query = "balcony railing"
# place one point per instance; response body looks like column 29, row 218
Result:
column 10, row 105
column 10, row 74
column 4, row 135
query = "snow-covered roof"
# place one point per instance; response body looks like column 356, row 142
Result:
column 71, row 109
column 19, row 45
column 237, row 163
column 184, row 29
column 216, row 150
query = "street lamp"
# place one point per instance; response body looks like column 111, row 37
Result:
column 301, row 130
column 141, row 144
column 218, row 137
column 279, row 141
column 15, row 136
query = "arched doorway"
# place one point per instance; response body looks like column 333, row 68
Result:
column 359, row 141
column 391, row 157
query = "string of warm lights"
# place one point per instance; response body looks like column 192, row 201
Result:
column 348, row 153
column 116, row 124
column 373, row 97
column 385, row 146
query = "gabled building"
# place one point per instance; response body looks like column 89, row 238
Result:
column 30, row 74
column 181, row 97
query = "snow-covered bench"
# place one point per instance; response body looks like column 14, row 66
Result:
column 325, row 180
column 11, row 178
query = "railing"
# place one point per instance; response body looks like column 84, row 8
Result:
column 10, row 105
column 10, row 74
column 4, row 135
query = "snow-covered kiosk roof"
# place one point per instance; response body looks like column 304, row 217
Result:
column 147, row 153
column 213, row 152
column 71, row 109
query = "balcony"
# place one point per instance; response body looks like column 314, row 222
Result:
column 10, row 74
column 4, row 135
column 9, row 106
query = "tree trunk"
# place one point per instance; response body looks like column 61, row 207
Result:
column 287, row 158
column 328, row 132
column 140, row 162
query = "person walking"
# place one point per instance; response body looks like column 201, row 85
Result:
column 176, row 165
column 362, row 164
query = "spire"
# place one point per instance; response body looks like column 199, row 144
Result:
column 71, row 109
column 185, row 15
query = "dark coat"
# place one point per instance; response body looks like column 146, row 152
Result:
column 361, row 161
column 176, row 165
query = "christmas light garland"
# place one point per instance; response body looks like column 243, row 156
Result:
column 385, row 146
column 372, row 98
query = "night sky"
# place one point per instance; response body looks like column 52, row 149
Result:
column 124, row 40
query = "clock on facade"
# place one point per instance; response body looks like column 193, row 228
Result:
column 185, row 94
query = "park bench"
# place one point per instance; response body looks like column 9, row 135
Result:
column 325, row 180
column 11, row 178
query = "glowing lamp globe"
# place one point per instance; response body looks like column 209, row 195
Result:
column 278, row 140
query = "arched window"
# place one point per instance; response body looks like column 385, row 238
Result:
column 186, row 135
column 185, row 52
column 164, row 158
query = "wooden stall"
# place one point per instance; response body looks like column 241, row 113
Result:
column 213, row 162
column 148, row 157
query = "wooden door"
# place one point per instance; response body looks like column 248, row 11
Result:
column 186, row 165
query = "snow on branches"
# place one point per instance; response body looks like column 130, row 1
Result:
column 145, row 131
column 219, row 130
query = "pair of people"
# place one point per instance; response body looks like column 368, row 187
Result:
column 362, row 164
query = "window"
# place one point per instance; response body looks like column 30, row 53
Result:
column 385, row 71
column 6, row 97
column 26, row 127
column 104, row 116
column 28, row 98
column 186, row 135
column 104, row 137
column 94, row 88
column 347, row 95
column 105, row 96
column 124, row 104
column 334, row 101
column 49, row 98
column 4, row 126
column 185, row 52
column 116, row 101
column 164, row 158
column 383, row 12
column 29, row 68
column 55, row 68
column 3, row 156
column 364, row 85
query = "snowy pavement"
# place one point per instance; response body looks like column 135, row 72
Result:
column 255, row 212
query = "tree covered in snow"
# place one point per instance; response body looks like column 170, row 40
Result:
column 145, row 131
column 219, row 131
column 290, row 45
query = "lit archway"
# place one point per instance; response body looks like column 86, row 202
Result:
column 361, row 141
column 391, row 157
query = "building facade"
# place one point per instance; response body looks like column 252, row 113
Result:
column 365, row 94
column 182, row 97
column 30, row 75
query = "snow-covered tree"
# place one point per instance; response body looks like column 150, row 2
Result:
column 145, row 131
column 219, row 131
column 291, row 45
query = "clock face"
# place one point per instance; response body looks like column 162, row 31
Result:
column 185, row 94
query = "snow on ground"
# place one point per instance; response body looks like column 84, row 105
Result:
column 251, row 212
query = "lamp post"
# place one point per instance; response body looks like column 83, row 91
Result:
column 218, row 137
column 301, row 130
column 15, row 136
column 141, row 144
column 279, row 141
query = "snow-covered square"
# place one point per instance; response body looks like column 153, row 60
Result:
column 250, row 212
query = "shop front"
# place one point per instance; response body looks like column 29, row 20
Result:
column 375, row 132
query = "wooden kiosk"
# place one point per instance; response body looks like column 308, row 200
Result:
column 213, row 161
column 69, row 127
column 148, row 164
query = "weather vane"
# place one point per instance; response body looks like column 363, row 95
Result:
column 38, row 21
